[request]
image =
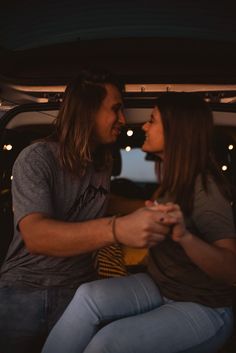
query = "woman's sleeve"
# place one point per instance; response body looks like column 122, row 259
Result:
column 213, row 214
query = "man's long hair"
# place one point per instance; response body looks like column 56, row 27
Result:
column 188, row 128
column 74, row 126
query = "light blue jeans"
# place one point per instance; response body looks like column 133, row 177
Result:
column 129, row 315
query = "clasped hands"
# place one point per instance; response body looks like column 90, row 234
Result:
column 172, row 216
column 150, row 225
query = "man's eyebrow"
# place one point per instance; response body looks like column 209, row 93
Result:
column 118, row 105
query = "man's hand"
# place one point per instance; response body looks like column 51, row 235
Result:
column 141, row 229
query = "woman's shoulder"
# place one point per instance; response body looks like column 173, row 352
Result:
column 207, row 186
column 212, row 211
column 209, row 195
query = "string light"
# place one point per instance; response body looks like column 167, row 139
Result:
column 7, row 147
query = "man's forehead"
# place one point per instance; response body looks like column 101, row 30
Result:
column 113, row 95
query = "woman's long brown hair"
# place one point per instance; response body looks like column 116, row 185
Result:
column 188, row 153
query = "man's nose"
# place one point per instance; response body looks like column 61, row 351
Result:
column 122, row 119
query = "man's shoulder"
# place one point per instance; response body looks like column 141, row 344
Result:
column 38, row 157
column 40, row 149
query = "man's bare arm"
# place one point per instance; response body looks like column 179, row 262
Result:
column 44, row 235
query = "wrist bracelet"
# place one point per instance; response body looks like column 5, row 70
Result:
column 113, row 229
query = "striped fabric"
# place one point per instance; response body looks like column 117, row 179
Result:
column 109, row 262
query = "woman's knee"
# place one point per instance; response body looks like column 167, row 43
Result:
column 84, row 291
column 89, row 292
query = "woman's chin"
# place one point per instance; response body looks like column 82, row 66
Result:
column 146, row 148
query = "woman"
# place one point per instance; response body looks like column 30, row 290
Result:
column 183, row 303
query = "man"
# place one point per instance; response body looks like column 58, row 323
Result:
column 60, row 191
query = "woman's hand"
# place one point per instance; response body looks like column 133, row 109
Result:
column 172, row 216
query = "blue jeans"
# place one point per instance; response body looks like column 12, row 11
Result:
column 128, row 314
column 27, row 315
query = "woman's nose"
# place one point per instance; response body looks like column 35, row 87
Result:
column 144, row 127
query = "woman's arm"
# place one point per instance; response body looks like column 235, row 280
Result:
column 217, row 259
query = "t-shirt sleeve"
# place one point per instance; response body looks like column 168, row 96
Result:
column 212, row 213
column 32, row 179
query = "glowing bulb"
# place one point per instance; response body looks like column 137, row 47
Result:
column 230, row 147
column 130, row 132
column 11, row 177
column 7, row 147
column 128, row 148
column 224, row 167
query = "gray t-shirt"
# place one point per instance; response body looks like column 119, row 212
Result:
column 176, row 275
column 41, row 185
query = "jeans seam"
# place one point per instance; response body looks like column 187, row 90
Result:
column 150, row 306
